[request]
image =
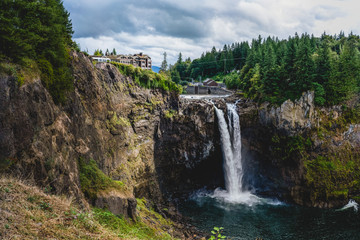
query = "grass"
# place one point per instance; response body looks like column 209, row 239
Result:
column 93, row 180
column 24, row 73
column 26, row 212
column 126, row 229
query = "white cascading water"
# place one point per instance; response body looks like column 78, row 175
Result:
column 351, row 204
column 231, row 147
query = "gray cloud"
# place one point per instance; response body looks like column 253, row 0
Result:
column 194, row 26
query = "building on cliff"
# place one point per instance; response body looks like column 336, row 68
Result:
column 137, row 60
column 100, row 58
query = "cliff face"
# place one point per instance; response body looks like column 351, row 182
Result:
column 150, row 141
column 305, row 154
column 188, row 148
column 157, row 145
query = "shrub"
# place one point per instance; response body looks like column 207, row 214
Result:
column 93, row 180
column 217, row 233
column 148, row 78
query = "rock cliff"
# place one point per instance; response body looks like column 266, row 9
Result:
column 153, row 144
column 149, row 141
column 303, row 154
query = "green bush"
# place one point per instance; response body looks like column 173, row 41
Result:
column 147, row 78
column 93, row 180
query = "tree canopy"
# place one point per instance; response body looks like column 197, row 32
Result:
column 275, row 70
column 38, row 30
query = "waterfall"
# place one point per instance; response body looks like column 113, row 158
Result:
column 231, row 147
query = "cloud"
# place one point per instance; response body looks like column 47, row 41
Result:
column 194, row 26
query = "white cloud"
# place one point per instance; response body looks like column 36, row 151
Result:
column 192, row 27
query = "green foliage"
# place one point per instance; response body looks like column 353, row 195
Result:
column 98, row 52
column 115, row 121
column 288, row 149
column 217, row 234
column 40, row 31
column 126, row 229
column 169, row 114
column 319, row 94
column 232, row 80
column 275, row 70
column 334, row 176
column 175, row 76
column 148, row 78
column 93, row 180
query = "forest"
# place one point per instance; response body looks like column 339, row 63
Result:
column 275, row 70
column 36, row 35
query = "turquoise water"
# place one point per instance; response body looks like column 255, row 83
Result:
column 270, row 219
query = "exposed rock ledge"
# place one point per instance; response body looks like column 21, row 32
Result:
column 291, row 117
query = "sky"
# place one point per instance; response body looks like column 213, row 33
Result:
column 195, row 26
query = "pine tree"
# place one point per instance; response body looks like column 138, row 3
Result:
column 164, row 63
column 97, row 52
column 304, row 67
column 179, row 58
column 345, row 78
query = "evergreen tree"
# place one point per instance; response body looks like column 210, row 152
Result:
column 323, row 62
column 344, row 81
column 304, row 68
column 269, row 70
column 175, row 76
column 40, row 31
column 97, row 52
column 164, row 64
column 179, row 61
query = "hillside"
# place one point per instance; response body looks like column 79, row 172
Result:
column 28, row 212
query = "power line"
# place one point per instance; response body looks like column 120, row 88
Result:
column 202, row 62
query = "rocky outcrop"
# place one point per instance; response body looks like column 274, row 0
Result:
column 188, row 148
column 301, row 153
column 99, row 121
column 118, row 204
column 35, row 137
column 291, row 117
column 149, row 140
